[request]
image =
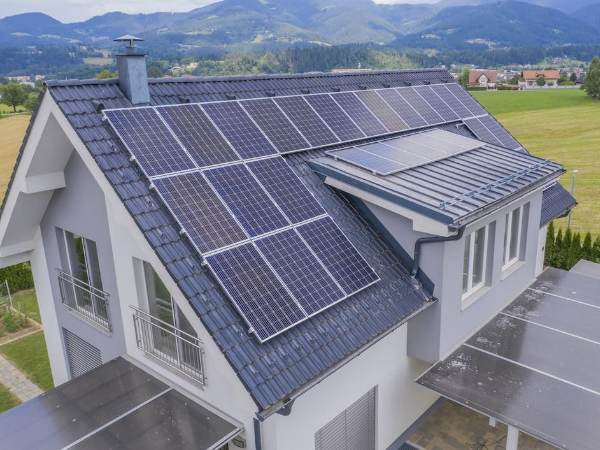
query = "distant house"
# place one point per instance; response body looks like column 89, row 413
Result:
column 529, row 79
column 483, row 78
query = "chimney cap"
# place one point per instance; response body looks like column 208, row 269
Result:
column 129, row 39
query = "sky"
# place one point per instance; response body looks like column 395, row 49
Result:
column 77, row 10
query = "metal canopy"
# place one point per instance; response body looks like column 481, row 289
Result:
column 116, row 406
column 535, row 365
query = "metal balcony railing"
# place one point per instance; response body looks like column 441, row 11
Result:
column 84, row 300
column 174, row 347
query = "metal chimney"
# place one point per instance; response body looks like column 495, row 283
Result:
column 133, row 77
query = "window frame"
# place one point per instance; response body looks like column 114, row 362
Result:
column 508, row 262
column 472, row 288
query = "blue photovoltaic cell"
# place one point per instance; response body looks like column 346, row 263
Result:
column 199, row 211
column 402, row 108
column 368, row 161
column 499, row 132
column 275, row 124
column 461, row 110
column 359, row 113
column 382, row 110
column 300, row 271
column 307, row 121
column 239, row 129
column 246, row 199
column 422, row 107
column 149, row 140
column 465, row 98
column 255, row 290
column 481, row 131
column 437, row 103
column 197, row 134
column 335, row 117
column 286, row 189
column 338, row 255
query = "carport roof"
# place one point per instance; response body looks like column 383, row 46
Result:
column 535, row 365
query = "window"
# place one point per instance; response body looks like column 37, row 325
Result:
column 475, row 260
column 513, row 235
column 82, row 259
column 353, row 428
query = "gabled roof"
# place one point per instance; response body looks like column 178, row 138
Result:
column 534, row 74
column 557, row 202
column 276, row 370
column 490, row 74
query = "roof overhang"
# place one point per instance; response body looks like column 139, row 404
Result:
column 535, row 365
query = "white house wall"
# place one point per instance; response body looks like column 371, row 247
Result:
column 400, row 401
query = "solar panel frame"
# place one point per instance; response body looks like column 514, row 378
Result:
column 255, row 290
column 274, row 123
column 137, row 126
column 379, row 107
column 199, row 211
column 239, row 129
column 334, row 116
column 246, row 199
column 359, row 113
column 466, row 99
column 403, row 108
column 456, row 105
column 420, row 105
column 286, row 189
column 481, row 131
column 311, row 125
column 346, row 264
column 503, row 136
column 436, row 102
column 202, row 140
column 300, row 270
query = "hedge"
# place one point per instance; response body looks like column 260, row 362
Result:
column 19, row 277
column 564, row 250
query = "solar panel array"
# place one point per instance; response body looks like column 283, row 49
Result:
column 405, row 152
column 270, row 244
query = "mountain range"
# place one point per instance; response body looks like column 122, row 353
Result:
column 237, row 24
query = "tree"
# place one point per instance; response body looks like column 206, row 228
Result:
column 13, row 95
column 596, row 250
column 104, row 74
column 592, row 80
column 558, row 248
column 549, row 258
column 464, row 78
column 541, row 80
column 574, row 252
column 573, row 77
column 32, row 101
column 586, row 249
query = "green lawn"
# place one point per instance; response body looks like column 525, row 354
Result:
column 31, row 356
column 26, row 302
column 7, row 400
column 561, row 125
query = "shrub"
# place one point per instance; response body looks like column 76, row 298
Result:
column 19, row 276
column 10, row 322
column 565, row 252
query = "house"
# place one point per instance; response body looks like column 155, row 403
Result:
column 530, row 79
column 483, row 78
column 269, row 262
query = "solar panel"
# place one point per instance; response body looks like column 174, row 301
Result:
column 199, row 211
column 335, row 117
column 499, row 132
column 368, row 161
column 286, row 189
column 465, row 98
column 461, row 110
column 246, row 199
column 273, row 122
column 481, row 131
column 307, row 121
column 402, row 156
column 238, row 128
column 359, row 113
column 437, row 103
column 382, row 110
column 256, row 292
column 300, row 271
column 420, row 105
column 148, row 139
column 338, row 255
column 200, row 138
column 402, row 108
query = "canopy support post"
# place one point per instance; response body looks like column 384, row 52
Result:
column 512, row 438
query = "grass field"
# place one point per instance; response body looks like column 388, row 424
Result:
column 31, row 356
column 7, row 399
column 12, row 130
column 561, row 125
column 26, row 302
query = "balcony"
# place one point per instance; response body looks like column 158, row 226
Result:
column 174, row 347
column 84, row 300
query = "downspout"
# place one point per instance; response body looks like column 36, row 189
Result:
column 257, row 435
column 427, row 240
